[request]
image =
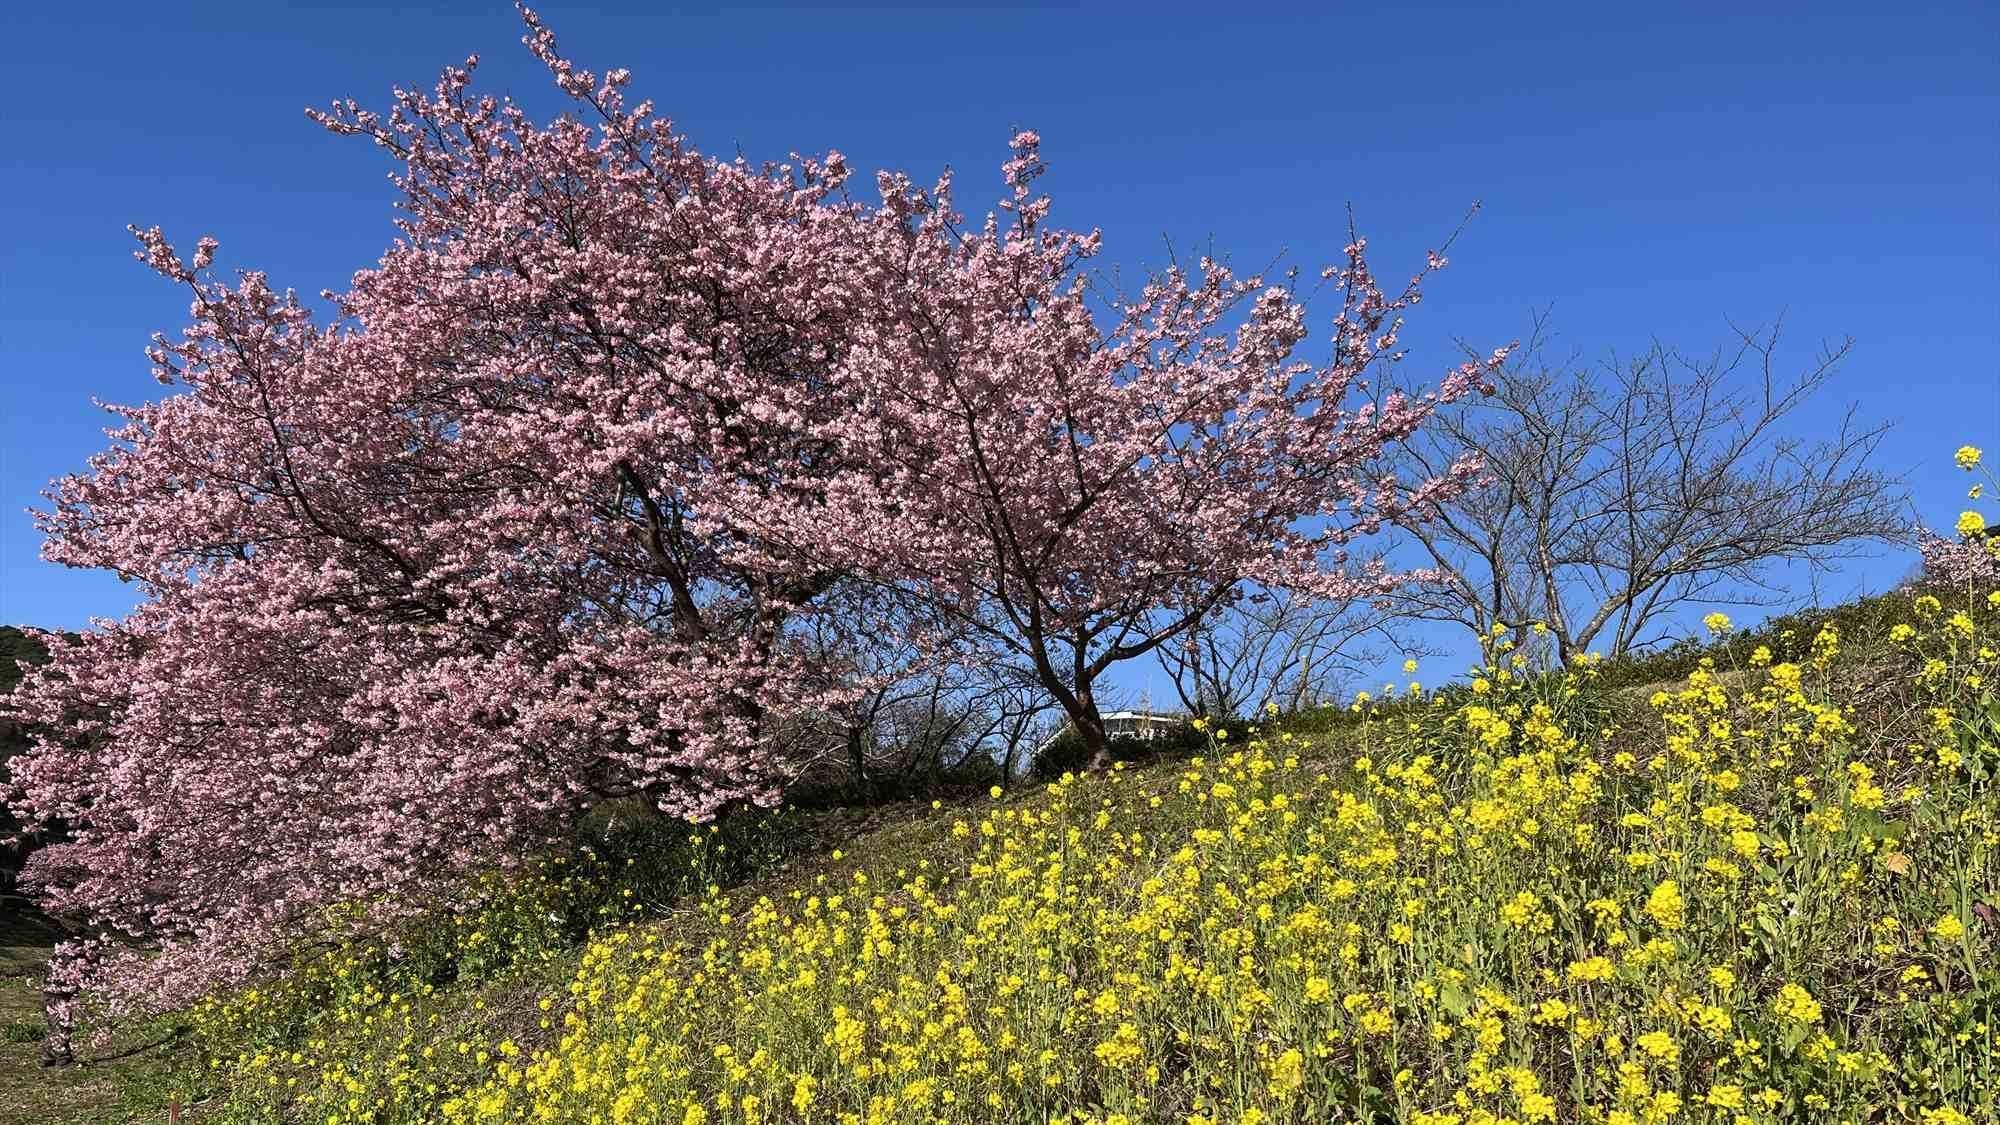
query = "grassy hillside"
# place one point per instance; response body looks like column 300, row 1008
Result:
column 1764, row 892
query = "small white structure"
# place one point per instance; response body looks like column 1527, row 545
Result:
column 1140, row 724
column 1146, row 725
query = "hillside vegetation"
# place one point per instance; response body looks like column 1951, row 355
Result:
column 1761, row 893
column 483, row 602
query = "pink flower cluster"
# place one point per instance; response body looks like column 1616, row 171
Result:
column 542, row 516
column 1969, row 561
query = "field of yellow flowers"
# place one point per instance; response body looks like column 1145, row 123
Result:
column 1763, row 893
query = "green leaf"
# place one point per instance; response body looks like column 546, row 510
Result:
column 1455, row 1000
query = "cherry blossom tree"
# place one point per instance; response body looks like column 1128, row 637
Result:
column 423, row 582
column 1973, row 560
column 544, row 513
column 1085, row 484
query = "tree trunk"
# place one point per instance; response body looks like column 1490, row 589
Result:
column 59, row 1014
column 1090, row 725
column 857, row 756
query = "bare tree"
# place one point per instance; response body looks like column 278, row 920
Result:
column 884, row 659
column 1274, row 647
column 1623, row 491
column 940, row 722
column 1023, row 715
column 911, row 692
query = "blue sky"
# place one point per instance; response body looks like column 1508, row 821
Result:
column 1647, row 172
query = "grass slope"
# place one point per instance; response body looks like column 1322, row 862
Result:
column 128, row 1079
column 1764, row 892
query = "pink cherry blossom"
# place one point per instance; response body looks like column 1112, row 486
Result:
column 547, row 512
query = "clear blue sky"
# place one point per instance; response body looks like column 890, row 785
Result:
column 1646, row 172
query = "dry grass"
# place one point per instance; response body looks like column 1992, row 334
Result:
column 123, row 1082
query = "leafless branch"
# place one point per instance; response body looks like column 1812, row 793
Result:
column 1622, row 491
